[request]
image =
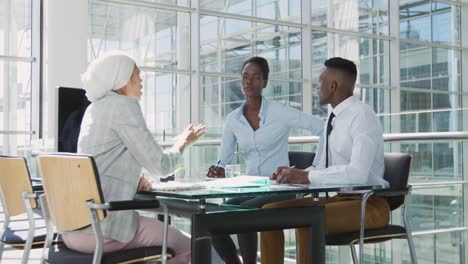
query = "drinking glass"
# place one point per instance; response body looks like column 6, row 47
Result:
column 232, row 170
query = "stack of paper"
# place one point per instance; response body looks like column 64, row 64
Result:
column 238, row 182
column 176, row 186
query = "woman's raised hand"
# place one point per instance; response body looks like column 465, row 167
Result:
column 193, row 133
column 189, row 135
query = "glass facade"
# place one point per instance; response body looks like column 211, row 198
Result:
column 16, row 62
column 409, row 55
column 428, row 96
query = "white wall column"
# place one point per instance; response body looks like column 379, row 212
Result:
column 65, row 54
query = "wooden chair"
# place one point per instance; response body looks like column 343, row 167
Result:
column 73, row 200
column 19, row 198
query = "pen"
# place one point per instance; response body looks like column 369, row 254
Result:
column 211, row 172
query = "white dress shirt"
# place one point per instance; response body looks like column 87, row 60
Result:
column 356, row 152
column 267, row 147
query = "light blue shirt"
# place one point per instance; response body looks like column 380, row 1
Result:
column 266, row 148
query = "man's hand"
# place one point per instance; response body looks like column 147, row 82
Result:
column 144, row 185
column 285, row 174
column 215, row 172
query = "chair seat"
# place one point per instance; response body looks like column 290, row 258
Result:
column 370, row 235
column 59, row 253
column 16, row 236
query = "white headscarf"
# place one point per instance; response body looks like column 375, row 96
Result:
column 107, row 73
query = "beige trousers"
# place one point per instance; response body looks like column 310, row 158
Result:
column 342, row 214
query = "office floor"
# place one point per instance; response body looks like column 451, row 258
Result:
column 12, row 255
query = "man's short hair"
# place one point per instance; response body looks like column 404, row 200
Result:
column 344, row 65
column 262, row 63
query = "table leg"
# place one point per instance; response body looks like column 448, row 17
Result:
column 317, row 239
column 201, row 242
column 315, row 197
column 202, row 205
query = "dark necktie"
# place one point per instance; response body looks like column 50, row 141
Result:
column 329, row 129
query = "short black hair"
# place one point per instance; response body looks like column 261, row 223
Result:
column 262, row 63
column 344, row 65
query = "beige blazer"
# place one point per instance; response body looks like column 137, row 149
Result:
column 114, row 131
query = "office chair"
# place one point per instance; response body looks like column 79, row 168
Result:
column 73, row 200
column 397, row 169
column 301, row 160
column 18, row 198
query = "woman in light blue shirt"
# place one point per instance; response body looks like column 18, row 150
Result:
column 260, row 128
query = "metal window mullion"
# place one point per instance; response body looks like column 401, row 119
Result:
column 155, row 47
column 347, row 32
column 306, row 18
column 35, row 111
column 395, row 78
column 452, row 2
column 221, row 27
column 431, row 21
column 16, row 58
column 195, row 106
column 154, row 5
column 195, row 61
column 254, row 25
column 6, row 80
column 252, row 18
column 395, row 97
column 464, row 88
column 161, row 70
column 432, row 44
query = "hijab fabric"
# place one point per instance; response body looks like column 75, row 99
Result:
column 109, row 72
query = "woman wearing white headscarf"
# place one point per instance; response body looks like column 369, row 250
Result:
column 114, row 131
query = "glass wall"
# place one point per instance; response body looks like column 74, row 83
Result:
column 16, row 61
column 191, row 53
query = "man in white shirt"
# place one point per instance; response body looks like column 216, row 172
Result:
column 353, row 154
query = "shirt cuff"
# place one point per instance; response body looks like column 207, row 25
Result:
column 313, row 177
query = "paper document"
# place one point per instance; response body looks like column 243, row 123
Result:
column 176, row 186
column 238, row 182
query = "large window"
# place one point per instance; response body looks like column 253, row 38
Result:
column 191, row 53
column 16, row 62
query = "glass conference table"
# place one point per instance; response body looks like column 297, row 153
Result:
column 208, row 219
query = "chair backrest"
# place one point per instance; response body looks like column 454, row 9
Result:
column 397, row 170
column 69, row 181
column 301, row 160
column 14, row 180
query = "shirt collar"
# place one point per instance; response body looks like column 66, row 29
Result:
column 261, row 113
column 343, row 105
column 263, row 109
